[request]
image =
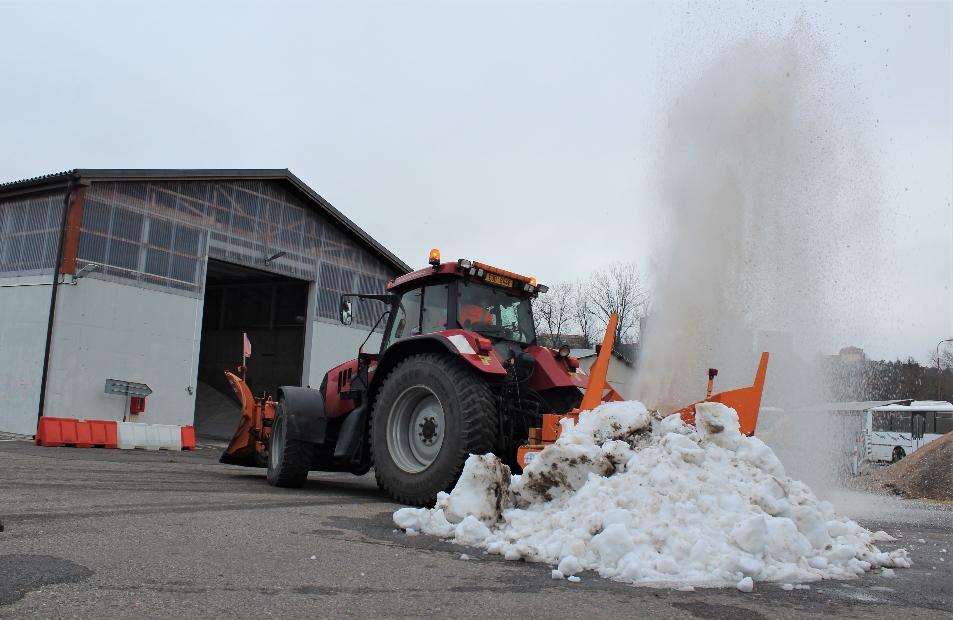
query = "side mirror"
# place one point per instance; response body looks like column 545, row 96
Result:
column 346, row 314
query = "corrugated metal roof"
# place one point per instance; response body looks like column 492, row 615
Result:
column 49, row 182
column 43, row 178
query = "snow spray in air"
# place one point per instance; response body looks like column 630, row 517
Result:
column 770, row 222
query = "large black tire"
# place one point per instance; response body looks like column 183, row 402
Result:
column 289, row 460
column 469, row 417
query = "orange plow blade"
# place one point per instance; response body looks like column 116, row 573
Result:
column 745, row 401
column 595, row 390
column 248, row 444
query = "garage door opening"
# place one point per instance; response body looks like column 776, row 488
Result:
column 272, row 310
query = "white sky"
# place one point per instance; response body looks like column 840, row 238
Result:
column 519, row 133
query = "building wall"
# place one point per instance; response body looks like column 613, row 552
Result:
column 24, row 313
column 335, row 344
column 107, row 330
column 29, row 236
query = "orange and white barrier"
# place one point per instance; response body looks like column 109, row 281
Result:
column 53, row 432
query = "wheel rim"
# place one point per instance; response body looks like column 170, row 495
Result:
column 415, row 429
column 277, row 448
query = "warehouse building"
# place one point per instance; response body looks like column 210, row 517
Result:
column 119, row 278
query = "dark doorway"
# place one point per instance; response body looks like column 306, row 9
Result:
column 272, row 310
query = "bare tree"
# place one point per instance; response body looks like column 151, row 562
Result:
column 582, row 312
column 946, row 357
column 617, row 288
column 553, row 310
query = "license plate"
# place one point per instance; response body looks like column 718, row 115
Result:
column 492, row 278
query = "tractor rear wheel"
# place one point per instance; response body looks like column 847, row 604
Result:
column 432, row 412
column 289, row 460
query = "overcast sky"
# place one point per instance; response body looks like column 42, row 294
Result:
column 519, row 133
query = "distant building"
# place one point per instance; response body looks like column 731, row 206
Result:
column 575, row 341
column 621, row 374
column 852, row 355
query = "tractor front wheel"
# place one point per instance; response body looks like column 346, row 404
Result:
column 432, row 412
column 288, row 459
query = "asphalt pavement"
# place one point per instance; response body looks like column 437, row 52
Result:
column 109, row 533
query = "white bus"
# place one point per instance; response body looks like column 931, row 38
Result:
column 891, row 432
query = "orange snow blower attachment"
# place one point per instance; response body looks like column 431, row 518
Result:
column 598, row 391
column 247, row 446
column 745, row 401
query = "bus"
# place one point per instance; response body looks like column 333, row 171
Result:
column 893, row 431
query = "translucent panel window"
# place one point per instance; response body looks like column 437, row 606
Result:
column 367, row 311
column 29, row 233
column 332, row 282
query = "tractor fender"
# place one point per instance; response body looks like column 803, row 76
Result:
column 304, row 413
column 456, row 342
column 552, row 372
column 353, row 429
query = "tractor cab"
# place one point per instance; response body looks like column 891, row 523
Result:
column 492, row 303
column 436, row 303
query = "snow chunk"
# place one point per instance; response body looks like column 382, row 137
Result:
column 718, row 424
column 645, row 500
column 481, row 491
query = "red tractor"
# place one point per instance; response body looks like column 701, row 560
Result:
column 458, row 372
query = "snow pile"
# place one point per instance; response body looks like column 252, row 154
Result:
column 653, row 501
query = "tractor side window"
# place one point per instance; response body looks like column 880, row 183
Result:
column 434, row 318
column 406, row 317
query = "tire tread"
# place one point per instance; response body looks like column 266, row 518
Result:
column 478, row 420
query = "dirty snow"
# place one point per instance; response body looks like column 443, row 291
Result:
column 654, row 501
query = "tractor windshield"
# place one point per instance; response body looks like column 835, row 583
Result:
column 495, row 313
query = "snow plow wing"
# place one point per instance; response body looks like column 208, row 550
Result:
column 745, row 401
column 248, row 444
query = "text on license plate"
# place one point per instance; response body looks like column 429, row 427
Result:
column 492, row 278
